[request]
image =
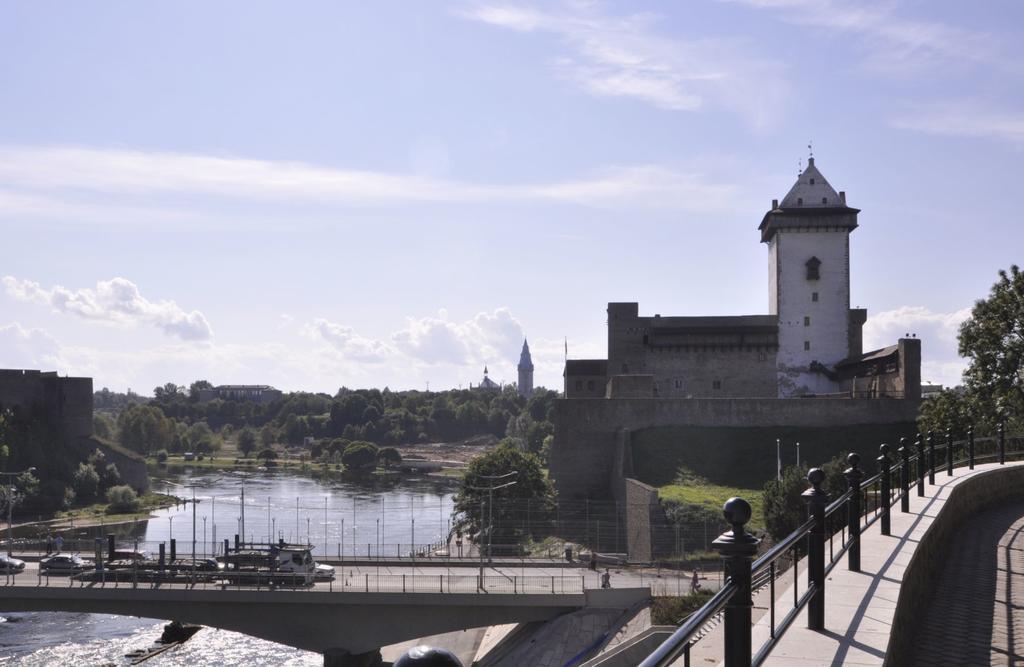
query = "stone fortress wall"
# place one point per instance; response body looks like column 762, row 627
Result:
column 66, row 402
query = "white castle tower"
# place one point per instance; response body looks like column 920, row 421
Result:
column 525, row 372
column 808, row 237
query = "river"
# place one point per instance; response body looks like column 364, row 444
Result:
column 332, row 513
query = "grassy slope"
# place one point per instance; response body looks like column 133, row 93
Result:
column 714, row 496
column 745, row 457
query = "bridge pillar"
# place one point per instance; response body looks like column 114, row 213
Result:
column 931, row 458
column 885, row 467
column 853, row 476
column 919, row 445
column 816, row 500
column 738, row 548
column 342, row 658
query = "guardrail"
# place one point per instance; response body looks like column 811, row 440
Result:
column 344, row 582
column 840, row 523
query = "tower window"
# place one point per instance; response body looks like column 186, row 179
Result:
column 812, row 181
column 824, row 200
column 813, row 268
column 678, row 384
column 590, row 385
column 807, row 320
column 807, row 346
column 717, row 384
column 799, row 201
column 814, row 297
column 579, row 385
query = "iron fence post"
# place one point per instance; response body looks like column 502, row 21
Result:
column 738, row 549
column 904, row 476
column 853, row 476
column 919, row 445
column 816, row 500
column 970, row 446
column 1001, row 429
column 931, row 458
column 949, row 451
column 885, row 468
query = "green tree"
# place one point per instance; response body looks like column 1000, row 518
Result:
column 122, row 499
column 473, row 502
column 195, row 388
column 360, row 456
column 390, row 456
column 267, row 455
column 992, row 340
column 267, row 435
column 785, row 509
column 86, row 483
column 144, row 428
column 246, row 441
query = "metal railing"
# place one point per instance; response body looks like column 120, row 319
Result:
column 840, row 523
column 344, row 582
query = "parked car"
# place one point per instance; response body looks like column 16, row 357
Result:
column 10, row 565
column 64, row 564
column 323, row 572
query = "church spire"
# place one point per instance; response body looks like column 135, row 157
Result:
column 525, row 371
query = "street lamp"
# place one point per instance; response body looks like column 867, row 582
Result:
column 10, row 507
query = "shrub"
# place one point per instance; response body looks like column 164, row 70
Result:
column 360, row 456
column 122, row 498
column 390, row 456
column 161, row 456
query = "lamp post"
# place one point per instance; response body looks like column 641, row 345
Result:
column 10, row 507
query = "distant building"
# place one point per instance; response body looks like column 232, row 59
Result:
column 525, row 372
column 250, row 393
column 487, row 384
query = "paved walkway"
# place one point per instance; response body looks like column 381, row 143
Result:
column 860, row 606
column 976, row 612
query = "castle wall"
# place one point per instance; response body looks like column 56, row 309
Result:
column 583, row 456
column 724, row 372
column 66, row 401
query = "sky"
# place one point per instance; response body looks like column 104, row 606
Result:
column 320, row 194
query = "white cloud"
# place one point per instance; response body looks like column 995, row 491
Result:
column 27, row 348
column 63, row 182
column 893, row 43
column 624, row 56
column 485, row 338
column 938, row 331
column 970, row 119
column 349, row 344
column 115, row 301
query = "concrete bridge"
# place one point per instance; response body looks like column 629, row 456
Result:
column 347, row 627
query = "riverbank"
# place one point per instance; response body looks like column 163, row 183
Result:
column 98, row 514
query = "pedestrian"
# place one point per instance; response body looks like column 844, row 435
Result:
column 695, row 583
column 58, row 543
column 49, row 544
column 568, row 554
column 606, row 579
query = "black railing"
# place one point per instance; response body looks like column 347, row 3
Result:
column 839, row 522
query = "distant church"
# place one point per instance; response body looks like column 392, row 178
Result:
column 809, row 343
column 525, row 368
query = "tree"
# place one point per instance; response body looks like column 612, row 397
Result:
column 246, row 441
column 992, row 340
column 122, row 499
column 195, row 388
column 268, row 456
column 86, row 483
column 785, row 509
column 532, row 489
column 390, row 456
column 144, row 428
column 360, row 456
column 267, row 435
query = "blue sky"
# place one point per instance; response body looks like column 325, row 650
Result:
column 318, row 194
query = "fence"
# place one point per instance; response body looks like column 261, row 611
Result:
column 837, row 524
column 345, row 582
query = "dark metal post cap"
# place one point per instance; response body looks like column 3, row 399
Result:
column 428, row 656
column 816, row 476
column 884, row 449
column 737, row 512
column 854, row 470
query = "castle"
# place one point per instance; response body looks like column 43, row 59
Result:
column 718, row 395
column 809, row 343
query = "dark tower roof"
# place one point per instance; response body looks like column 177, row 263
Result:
column 812, row 203
column 525, row 360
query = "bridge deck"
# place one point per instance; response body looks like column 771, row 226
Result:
column 860, row 606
